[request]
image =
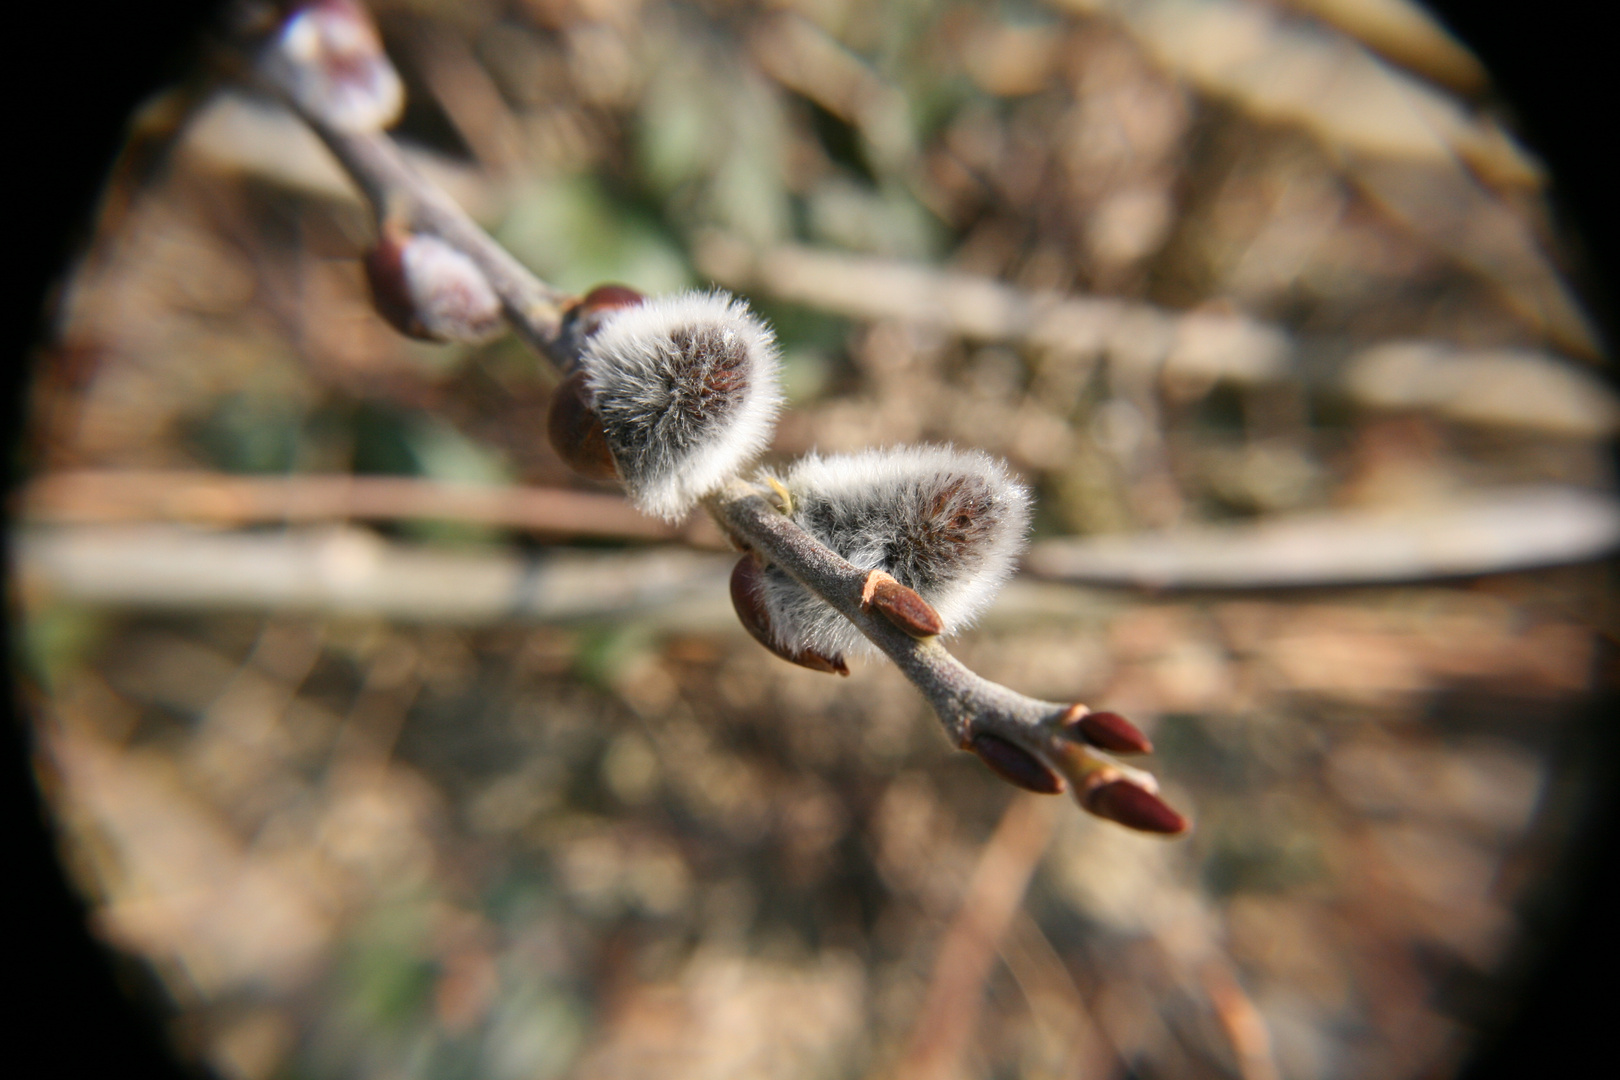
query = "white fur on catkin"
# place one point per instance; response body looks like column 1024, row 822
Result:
column 450, row 297
column 948, row 523
column 686, row 388
column 329, row 57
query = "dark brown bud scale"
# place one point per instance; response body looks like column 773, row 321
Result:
column 607, row 297
column 575, row 431
column 1015, row 765
column 747, row 597
column 390, row 295
column 1129, row 804
column 428, row 289
column 584, row 316
column 1106, row 731
column 901, row 605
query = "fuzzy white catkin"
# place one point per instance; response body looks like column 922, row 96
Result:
column 451, row 297
column 948, row 523
column 329, row 57
column 686, row 389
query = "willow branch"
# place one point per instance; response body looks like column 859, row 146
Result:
column 968, row 704
column 397, row 192
column 1030, row 742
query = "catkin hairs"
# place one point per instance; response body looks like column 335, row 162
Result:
column 947, row 523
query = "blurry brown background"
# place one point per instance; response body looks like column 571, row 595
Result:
column 407, row 776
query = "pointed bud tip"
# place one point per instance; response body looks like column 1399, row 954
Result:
column 901, row 605
column 1129, row 804
column 1015, row 765
column 1105, row 730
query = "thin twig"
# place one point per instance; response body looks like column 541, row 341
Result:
column 1492, row 532
column 1040, row 733
column 968, row 704
column 398, row 192
column 132, row 495
column 343, row 571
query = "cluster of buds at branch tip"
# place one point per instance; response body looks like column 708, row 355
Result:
column 1101, row 786
column 428, row 289
column 329, row 58
column 677, row 393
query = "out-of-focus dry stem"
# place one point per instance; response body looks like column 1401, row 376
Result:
column 947, row 1022
column 967, row 704
column 397, row 192
column 135, row 495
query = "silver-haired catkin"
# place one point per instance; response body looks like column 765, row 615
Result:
column 948, row 523
column 330, row 59
column 428, row 289
column 686, row 389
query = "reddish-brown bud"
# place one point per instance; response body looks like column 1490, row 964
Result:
column 1105, row 730
column 603, row 298
column 427, row 289
column 1126, row 802
column 900, row 605
column 1015, row 765
column 747, row 597
column 575, row 431
column 584, row 316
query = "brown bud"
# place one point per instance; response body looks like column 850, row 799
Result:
column 603, row 298
column 575, row 431
column 427, row 289
column 1015, row 765
column 900, row 605
column 1105, row 730
column 584, row 317
column 390, row 295
column 1122, row 800
column 748, row 598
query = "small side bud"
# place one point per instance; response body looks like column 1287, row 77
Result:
column 686, row 389
column 329, row 58
column 1120, row 799
column 575, row 431
column 1015, row 765
column 427, row 289
column 946, row 526
column 586, row 315
column 900, row 605
column 747, row 599
column 1104, row 730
